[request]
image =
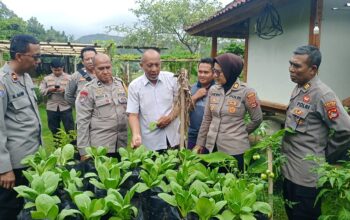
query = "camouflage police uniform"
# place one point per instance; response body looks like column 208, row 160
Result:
column 101, row 115
column 223, row 123
column 75, row 85
column 322, row 128
column 58, row 109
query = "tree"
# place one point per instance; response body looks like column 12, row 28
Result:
column 35, row 28
column 161, row 23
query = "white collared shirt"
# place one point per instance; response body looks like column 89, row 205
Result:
column 151, row 102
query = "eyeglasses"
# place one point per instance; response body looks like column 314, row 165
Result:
column 34, row 56
column 216, row 71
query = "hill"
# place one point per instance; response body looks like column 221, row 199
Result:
column 89, row 39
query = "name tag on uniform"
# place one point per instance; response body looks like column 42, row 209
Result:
column 304, row 105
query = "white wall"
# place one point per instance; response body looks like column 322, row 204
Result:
column 268, row 59
column 335, row 48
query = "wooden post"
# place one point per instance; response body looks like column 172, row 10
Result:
column 75, row 64
column 128, row 72
column 182, row 119
column 214, row 46
column 270, row 182
column 1, row 58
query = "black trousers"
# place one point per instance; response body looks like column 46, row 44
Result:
column 300, row 201
column 10, row 206
column 54, row 119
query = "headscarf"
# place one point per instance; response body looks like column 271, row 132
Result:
column 231, row 66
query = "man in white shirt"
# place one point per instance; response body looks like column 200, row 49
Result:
column 150, row 100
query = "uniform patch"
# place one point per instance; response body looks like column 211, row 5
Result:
column 332, row 110
column 235, row 86
column 232, row 103
column 2, row 91
column 231, row 109
column 213, row 100
column 83, row 96
column 307, row 86
column 298, row 112
column 306, row 98
column 81, row 79
column 14, row 77
column 252, row 100
column 212, row 107
column 122, row 100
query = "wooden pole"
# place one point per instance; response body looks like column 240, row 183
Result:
column 270, row 182
column 128, row 72
column 182, row 118
column 214, row 46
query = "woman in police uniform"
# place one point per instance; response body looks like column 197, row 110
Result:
column 223, row 128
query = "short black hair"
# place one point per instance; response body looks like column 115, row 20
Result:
column 56, row 63
column 87, row 49
column 314, row 54
column 19, row 44
column 207, row 60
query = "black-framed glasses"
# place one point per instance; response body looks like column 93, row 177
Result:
column 34, row 56
column 216, row 71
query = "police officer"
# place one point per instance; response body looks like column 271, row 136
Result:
column 57, row 108
column 314, row 110
column 82, row 76
column 223, row 127
column 19, row 120
column 100, row 106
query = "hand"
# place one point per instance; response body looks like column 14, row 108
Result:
column 136, row 141
column 84, row 157
column 7, row 180
column 200, row 93
column 163, row 121
column 199, row 149
column 60, row 90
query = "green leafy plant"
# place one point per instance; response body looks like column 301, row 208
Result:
column 120, row 206
column 110, row 175
column 64, row 154
column 96, row 152
column 241, row 197
column 39, row 184
column 62, row 138
column 207, row 208
column 134, row 156
column 181, row 198
column 90, row 209
column 46, row 208
column 40, row 162
column 334, row 185
column 152, row 126
column 220, row 159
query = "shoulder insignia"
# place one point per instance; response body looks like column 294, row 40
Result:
column 332, row 110
column 307, row 86
column 251, row 98
column 235, row 85
column 14, row 77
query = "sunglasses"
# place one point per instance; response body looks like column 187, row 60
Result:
column 34, row 56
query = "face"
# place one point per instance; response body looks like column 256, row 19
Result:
column 57, row 71
column 103, row 69
column 30, row 59
column 219, row 75
column 300, row 71
column 87, row 60
column 205, row 73
column 151, row 65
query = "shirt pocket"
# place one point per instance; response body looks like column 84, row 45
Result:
column 300, row 119
column 105, row 108
column 22, row 109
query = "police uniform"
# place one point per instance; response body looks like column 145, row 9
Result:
column 223, row 123
column 313, row 111
column 58, row 109
column 19, row 130
column 101, row 115
column 75, row 85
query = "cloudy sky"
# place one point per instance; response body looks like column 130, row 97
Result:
column 77, row 17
